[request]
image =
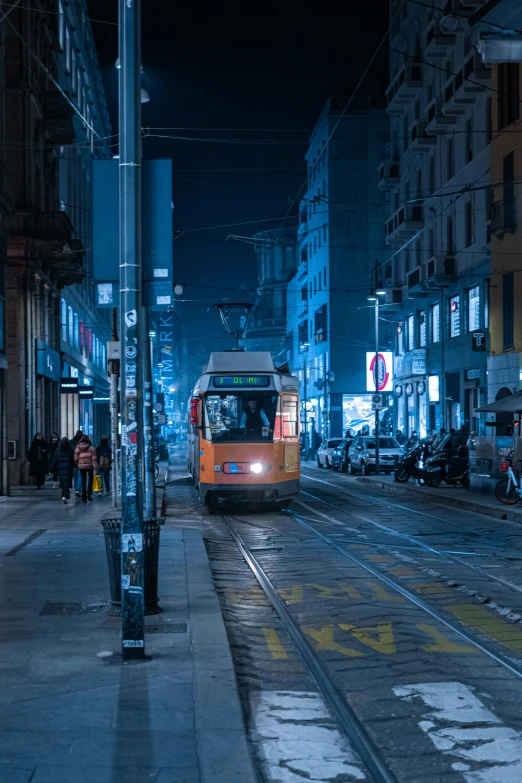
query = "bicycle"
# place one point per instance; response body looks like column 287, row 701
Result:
column 508, row 490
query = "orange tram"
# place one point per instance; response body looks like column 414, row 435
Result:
column 243, row 431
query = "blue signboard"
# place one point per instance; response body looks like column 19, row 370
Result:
column 157, row 231
column 48, row 362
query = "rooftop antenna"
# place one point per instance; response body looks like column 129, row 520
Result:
column 232, row 311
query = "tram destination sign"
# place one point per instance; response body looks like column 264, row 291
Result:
column 240, row 381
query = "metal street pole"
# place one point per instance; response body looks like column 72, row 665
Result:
column 377, row 449
column 114, row 368
column 305, row 444
column 132, row 559
column 148, row 423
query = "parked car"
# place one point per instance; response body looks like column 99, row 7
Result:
column 361, row 456
column 325, row 451
column 340, row 455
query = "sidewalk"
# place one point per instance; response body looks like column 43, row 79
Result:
column 71, row 711
column 460, row 497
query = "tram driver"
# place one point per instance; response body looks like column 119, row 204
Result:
column 254, row 418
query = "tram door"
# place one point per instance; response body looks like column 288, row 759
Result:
column 289, row 410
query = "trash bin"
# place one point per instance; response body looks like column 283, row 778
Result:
column 151, row 542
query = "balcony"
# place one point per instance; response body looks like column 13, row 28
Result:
column 392, row 296
column 302, row 308
column 461, row 89
column 404, row 224
column 436, row 121
column 45, row 226
column 503, row 218
column 440, row 272
column 438, row 42
column 404, row 88
column 57, row 119
column 415, row 282
column 389, row 175
column 420, row 140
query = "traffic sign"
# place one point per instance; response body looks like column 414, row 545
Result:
column 377, row 402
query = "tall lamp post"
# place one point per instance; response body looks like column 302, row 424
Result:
column 375, row 292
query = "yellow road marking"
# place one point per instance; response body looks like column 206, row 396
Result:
column 252, row 595
column 333, row 592
column 381, row 559
column 442, row 643
column 482, row 619
column 325, row 641
column 292, row 595
column 403, row 571
column 274, row 643
column 384, row 642
column 352, row 592
column 380, row 594
column 430, row 588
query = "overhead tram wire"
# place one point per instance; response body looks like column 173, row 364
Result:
column 11, row 8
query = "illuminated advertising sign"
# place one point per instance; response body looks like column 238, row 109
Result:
column 235, row 381
column 384, row 369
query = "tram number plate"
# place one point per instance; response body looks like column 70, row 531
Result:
column 236, row 467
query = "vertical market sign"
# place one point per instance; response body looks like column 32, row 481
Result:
column 382, row 365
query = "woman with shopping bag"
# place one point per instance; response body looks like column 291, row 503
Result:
column 104, row 459
column 85, row 459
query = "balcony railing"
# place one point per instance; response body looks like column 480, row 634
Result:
column 436, row 120
column 503, row 217
column 461, row 89
column 440, row 272
column 404, row 88
column 404, row 223
column 389, row 175
column 438, row 42
column 420, row 139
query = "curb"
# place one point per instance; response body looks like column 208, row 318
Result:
column 223, row 752
column 502, row 512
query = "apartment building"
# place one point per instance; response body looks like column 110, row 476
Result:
column 440, row 104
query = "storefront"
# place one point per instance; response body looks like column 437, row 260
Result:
column 47, row 380
column 70, row 407
column 502, row 441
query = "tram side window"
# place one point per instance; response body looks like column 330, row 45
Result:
column 289, row 411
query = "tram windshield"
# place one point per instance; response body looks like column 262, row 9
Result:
column 240, row 418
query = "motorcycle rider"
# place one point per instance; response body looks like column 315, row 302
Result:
column 412, row 440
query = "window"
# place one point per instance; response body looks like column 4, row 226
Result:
column 229, row 417
column 76, row 332
column 473, row 308
column 486, row 304
column 321, row 323
column 324, row 275
column 508, row 177
column 435, row 323
column 422, row 329
column 431, row 243
column 302, row 334
column 74, row 72
column 61, row 27
column 289, row 415
column 63, row 319
column 70, row 325
column 455, row 316
column 449, row 236
column 508, row 312
column 449, row 159
column 400, row 338
column 405, row 133
column 489, row 128
column 468, row 224
column 468, row 140
column 432, row 174
column 406, row 253
column 315, row 285
column 67, row 51
column 304, row 293
column 411, row 334
column 304, row 255
column 508, row 94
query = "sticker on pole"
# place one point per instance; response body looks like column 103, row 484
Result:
column 131, row 318
column 131, row 542
column 377, row 402
column 131, row 351
column 133, row 643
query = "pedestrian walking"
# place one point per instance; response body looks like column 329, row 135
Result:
column 76, row 473
column 85, row 459
column 104, row 459
column 53, row 445
column 62, row 466
column 38, row 459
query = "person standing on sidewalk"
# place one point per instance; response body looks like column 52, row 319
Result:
column 62, row 466
column 53, row 445
column 85, row 459
column 104, row 459
column 38, row 459
column 76, row 473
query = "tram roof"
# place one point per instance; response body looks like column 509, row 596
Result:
column 240, row 362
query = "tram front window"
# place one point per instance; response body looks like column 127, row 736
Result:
column 240, row 418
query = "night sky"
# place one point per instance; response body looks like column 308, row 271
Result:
column 260, row 70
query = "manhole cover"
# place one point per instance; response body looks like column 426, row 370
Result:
column 167, row 628
column 72, row 608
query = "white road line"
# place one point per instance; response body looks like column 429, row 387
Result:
column 298, row 741
column 461, row 726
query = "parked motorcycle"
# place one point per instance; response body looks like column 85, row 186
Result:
column 412, row 464
column 444, row 466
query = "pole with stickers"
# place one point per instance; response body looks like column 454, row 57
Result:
column 130, row 252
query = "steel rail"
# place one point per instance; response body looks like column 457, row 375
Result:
column 500, row 658
column 413, row 540
column 352, row 727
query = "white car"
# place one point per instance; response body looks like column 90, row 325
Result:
column 325, row 450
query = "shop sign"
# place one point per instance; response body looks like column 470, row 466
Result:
column 402, row 365
column 421, row 387
column 418, row 361
column 473, row 374
column 48, row 362
column 409, row 389
column 433, row 388
column 68, row 385
column 478, row 340
column 86, row 392
column 381, row 365
column 398, row 391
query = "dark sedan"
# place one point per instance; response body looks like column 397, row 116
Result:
column 339, row 456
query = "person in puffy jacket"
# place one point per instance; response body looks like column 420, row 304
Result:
column 104, row 458
column 62, row 466
column 85, row 461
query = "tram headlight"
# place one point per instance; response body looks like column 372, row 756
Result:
column 256, row 467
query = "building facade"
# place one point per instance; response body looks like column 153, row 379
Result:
column 340, row 238
column 266, row 327
column 55, row 121
column 438, row 174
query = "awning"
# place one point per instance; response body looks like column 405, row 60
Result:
column 510, row 404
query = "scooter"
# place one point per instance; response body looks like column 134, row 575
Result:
column 412, row 464
column 449, row 468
